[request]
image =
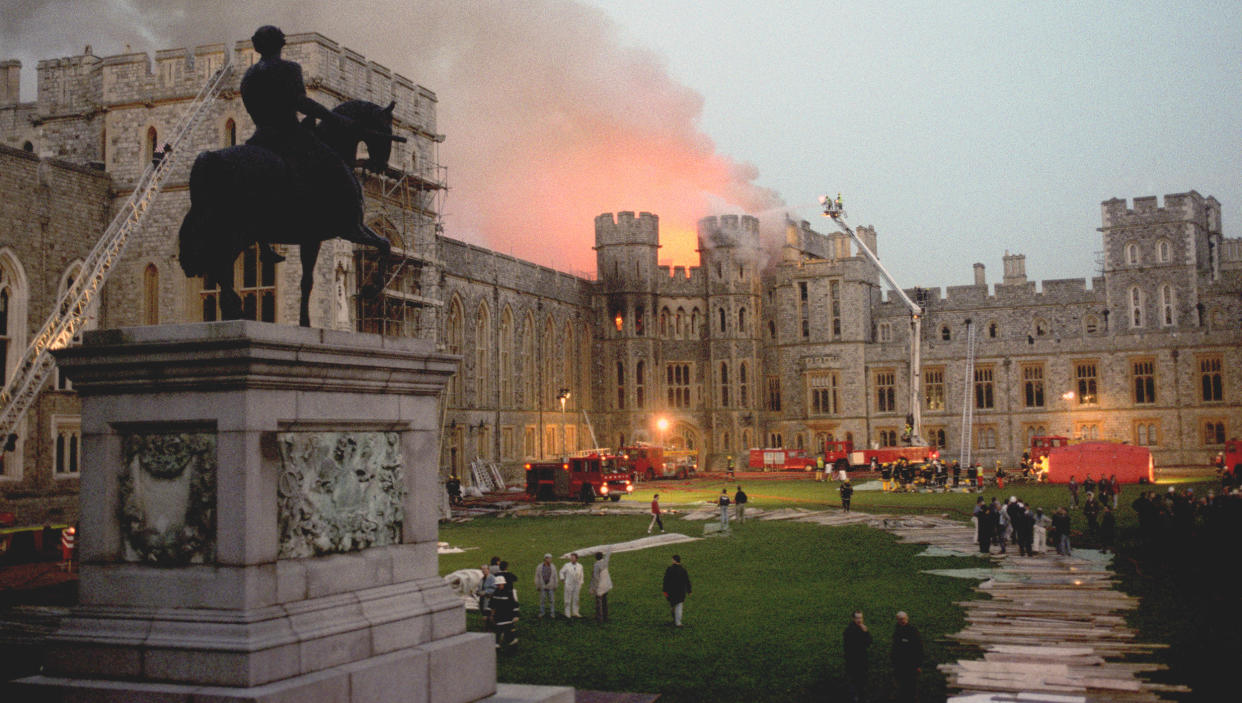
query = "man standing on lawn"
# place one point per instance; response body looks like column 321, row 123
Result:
column 739, row 503
column 655, row 514
column 857, row 640
column 545, row 583
column 847, row 492
column 601, row 584
column 571, row 574
column 723, row 502
column 907, row 658
column 676, row 587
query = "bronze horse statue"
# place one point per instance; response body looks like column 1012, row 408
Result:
column 244, row 195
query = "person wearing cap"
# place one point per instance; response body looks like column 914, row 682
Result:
column 504, row 612
column 571, row 574
column 545, row 584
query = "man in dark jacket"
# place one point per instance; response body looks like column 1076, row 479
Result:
column 857, row 640
column 676, row 587
column 983, row 525
column 847, row 492
column 907, row 658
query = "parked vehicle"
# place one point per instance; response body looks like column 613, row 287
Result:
column 1128, row 462
column 587, row 477
column 780, row 459
column 841, row 455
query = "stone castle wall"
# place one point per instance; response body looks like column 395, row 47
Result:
column 526, row 332
column 51, row 213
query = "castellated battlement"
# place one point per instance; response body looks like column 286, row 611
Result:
column 625, row 228
column 682, row 282
column 728, row 231
column 84, row 82
column 1061, row 291
column 1178, row 207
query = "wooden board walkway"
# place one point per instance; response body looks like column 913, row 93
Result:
column 1053, row 629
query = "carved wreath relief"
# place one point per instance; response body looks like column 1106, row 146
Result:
column 339, row 492
column 168, row 498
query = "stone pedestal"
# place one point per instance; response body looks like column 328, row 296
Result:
column 259, row 522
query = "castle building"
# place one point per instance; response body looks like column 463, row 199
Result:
column 753, row 347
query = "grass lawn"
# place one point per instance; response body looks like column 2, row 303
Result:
column 764, row 621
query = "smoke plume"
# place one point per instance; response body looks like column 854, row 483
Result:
column 549, row 119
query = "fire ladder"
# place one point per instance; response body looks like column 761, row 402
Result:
column 968, row 405
column 73, row 307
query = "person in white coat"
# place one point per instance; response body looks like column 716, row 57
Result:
column 601, row 584
column 571, row 575
column 545, row 584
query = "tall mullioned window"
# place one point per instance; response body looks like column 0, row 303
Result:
column 640, row 385
column 257, row 289
column 1033, row 386
column 823, row 389
column 1086, row 373
column 1213, row 390
column 677, row 383
column 1144, row 375
column 774, row 392
column 984, row 392
column 804, row 306
column 834, row 307
column 743, row 385
column 620, row 385
column 455, row 337
column 886, row 391
column 724, row 384
column 933, row 388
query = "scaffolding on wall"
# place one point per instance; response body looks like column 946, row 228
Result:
column 402, row 298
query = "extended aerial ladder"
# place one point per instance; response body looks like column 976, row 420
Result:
column 968, row 405
column 74, row 306
column 835, row 210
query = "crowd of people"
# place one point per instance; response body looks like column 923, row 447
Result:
column 497, row 595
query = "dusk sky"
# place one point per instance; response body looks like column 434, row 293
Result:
column 959, row 130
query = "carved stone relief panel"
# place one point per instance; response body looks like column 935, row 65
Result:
column 339, row 492
column 168, row 497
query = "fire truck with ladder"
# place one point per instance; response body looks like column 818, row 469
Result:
column 589, row 474
column 840, row 454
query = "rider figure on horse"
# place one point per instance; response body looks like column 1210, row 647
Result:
column 322, row 186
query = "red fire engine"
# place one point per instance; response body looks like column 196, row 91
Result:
column 647, row 462
column 1231, row 458
column 842, row 455
column 587, row 477
column 780, row 460
column 1041, row 445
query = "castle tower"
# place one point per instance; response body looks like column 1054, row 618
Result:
column 729, row 247
column 626, row 249
column 1158, row 260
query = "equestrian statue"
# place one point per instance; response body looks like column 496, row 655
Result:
column 292, row 182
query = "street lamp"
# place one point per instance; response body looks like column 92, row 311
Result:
column 662, row 425
column 563, row 396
